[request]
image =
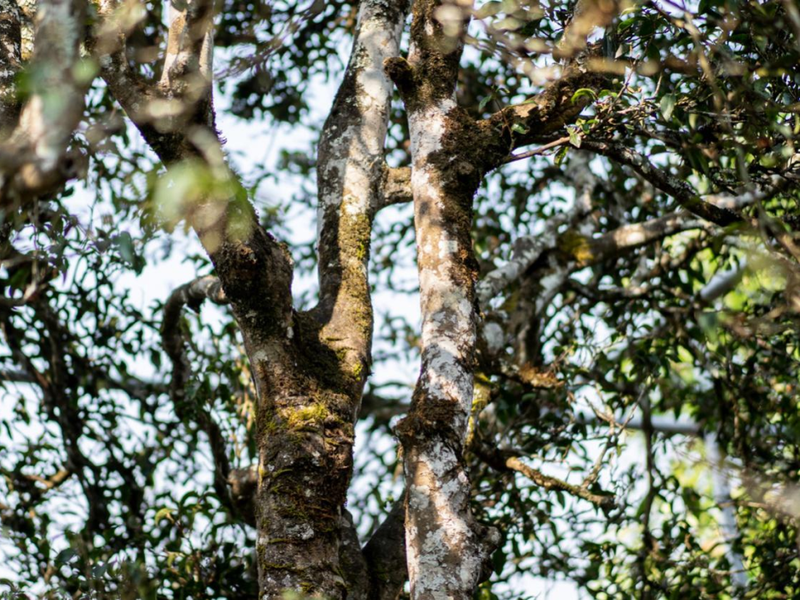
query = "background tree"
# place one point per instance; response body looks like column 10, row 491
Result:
column 608, row 338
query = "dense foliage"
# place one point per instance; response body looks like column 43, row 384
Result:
column 636, row 423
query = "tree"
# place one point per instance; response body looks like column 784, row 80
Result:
column 638, row 261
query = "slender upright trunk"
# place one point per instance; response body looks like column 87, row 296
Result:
column 446, row 548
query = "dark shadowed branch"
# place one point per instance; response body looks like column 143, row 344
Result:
column 192, row 295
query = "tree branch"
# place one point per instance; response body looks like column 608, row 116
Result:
column 446, row 546
column 528, row 249
column 542, row 115
column 395, row 188
column 679, row 189
column 33, row 159
column 59, row 404
column 505, row 461
column 589, row 251
column 193, row 294
column 254, row 269
column 351, row 177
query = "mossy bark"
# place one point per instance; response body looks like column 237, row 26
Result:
column 446, row 547
column 309, row 368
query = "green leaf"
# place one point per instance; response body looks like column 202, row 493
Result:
column 583, row 93
column 126, row 251
column 520, row 128
column 668, row 106
column 575, row 137
column 486, row 99
column 164, row 513
column 561, row 155
column 65, row 556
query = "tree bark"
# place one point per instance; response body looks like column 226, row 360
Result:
column 33, row 153
column 446, row 547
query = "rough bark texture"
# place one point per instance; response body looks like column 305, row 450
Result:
column 10, row 63
column 311, row 388
column 351, row 178
column 445, row 547
column 308, row 368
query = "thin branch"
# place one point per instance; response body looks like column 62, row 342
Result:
column 678, row 188
column 193, row 294
column 507, row 461
column 537, row 151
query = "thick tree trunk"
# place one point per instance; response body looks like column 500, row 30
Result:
column 309, row 368
column 310, row 382
column 446, row 547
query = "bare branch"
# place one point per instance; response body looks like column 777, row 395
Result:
column 192, row 295
column 504, row 461
column 529, row 249
column 590, row 251
column 537, row 151
column 350, row 176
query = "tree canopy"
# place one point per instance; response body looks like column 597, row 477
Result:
column 599, row 198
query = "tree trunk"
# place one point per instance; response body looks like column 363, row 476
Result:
column 446, row 547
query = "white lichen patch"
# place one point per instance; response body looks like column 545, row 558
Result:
column 438, row 534
column 303, row 531
column 447, row 247
column 427, row 127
